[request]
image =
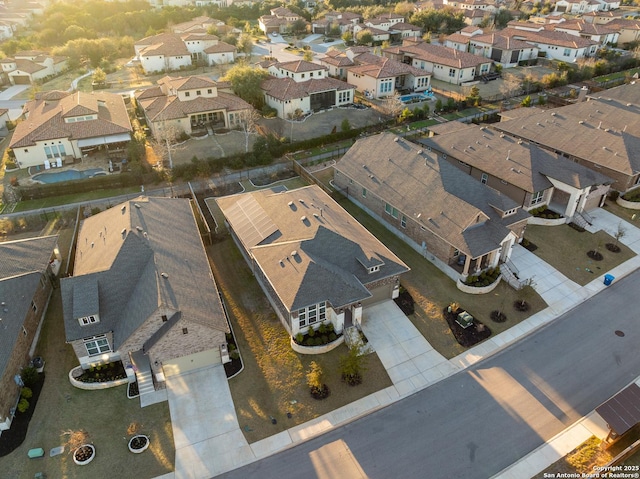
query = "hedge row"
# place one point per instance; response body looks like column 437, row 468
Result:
column 104, row 182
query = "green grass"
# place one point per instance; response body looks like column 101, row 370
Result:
column 322, row 149
column 105, row 415
column 273, row 380
column 75, row 198
column 566, row 250
column 423, row 124
column 613, row 76
column 632, row 216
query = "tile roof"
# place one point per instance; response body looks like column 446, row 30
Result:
column 288, row 89
column 524, row 165
column 22, row 263
column 46, row 116
column 442, row 198
column 330, row 248
column 458, row 38
column 170, row 107
column 166, row 44
column 440, row 55
column 220, row 47
column 547, row 37
column 298, row 66
column 382, row 67
column 501, row 41
column 144, row 254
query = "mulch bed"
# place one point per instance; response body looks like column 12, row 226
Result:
column 498, row 316
column 520, row 305
column 13, row 438
column 614, row 248
column 576, row 227
column 320, row 393
column 405, row 303
column 595, row 255
column 233, row 367
column 466, row 337
column 529, row 245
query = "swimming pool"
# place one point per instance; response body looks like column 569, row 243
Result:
column 67, row 175
column 414, row 97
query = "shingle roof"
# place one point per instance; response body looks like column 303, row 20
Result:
column 604, row 132
column 445, row 200
column 330, row 248
column 21, row 266
column 143, row 255
column 46, row 115
column 524, row 165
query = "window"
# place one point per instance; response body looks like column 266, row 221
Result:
column 391, row 210
column 364, row 192
column 374, row 269
column 312, row 314
column 452, row 72
column 187, row 93
column 567, row 52
column 209, row 91
column 97, row 345
column 198, row 92
column 86, row 320
column 484, row 179
column 537, row 197
column 185, row 331
column 54, row 151
column 403, row 221
column 164, row 318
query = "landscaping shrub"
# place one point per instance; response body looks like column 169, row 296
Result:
column 26, row 393
column 23, row 405
column 483, row 279
column 632, row 196
column 29, row 376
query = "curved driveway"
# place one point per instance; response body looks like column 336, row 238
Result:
column 479, row 421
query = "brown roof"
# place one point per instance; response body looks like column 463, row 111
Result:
column 221, row 47
column 298, row 66
column 288, row 89
column 167, row 44
column 555, row 38
column 440, row 55
column 385, row 68
column 45, row 120
column 501, row 41
column 187, row 83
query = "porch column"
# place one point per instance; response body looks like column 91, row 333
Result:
column 467, row 263
column 478, row 263
column 582, row 200
column 572, row 204
column 495, row 257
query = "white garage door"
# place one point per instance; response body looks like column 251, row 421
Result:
column 192, row 362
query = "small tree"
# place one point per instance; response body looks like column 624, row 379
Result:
column 346, row 125
column 307, row 56
column 392, row 106
column 26, row 393
column 23, row 405
column 347, row 37
column 526, row 102
column 315, row 381
column 405, row 115
column 438, row 105
column 364, row 37
column 245, row 44
column 29, row 376
column 620, row 233
column 249, row 123
column 353, row 365
column 99, row 76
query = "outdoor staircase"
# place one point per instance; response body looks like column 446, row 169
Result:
column 510, row 277
column 145, row 382
column 352, row 338
column 580, row 221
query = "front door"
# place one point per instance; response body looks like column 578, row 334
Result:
column 348, row 318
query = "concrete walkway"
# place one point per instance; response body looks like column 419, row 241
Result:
column 12, row 91
column 209, row 441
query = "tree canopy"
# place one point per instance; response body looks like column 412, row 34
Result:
column 245, row 81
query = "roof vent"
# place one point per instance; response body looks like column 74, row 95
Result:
column 301, row 201
column 290, row 203
column 124, row 208
column 607, row 130
column 553, row 113
column 164, row 275
column 396, row 139
column 581, row 122
column 419, row 152
column 139, row 228
column 294, row 253
column 502, row 134
column 124, row 231
column 316, row 215
column 303, row 218
column 136, row 205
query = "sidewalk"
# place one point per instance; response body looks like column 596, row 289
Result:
column 412, row 365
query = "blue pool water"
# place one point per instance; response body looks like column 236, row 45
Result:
column 67, row 175
column 416, row 97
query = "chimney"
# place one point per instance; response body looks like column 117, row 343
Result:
column 582, row 94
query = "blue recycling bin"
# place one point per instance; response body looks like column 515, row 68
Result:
column 608, row 279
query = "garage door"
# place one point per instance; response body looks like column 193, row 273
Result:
column 192, row 362
column 21, row 80
column 381, row 293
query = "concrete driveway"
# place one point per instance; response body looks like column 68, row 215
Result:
column 207, row 437
column 12, row 91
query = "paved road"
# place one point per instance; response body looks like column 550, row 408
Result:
column 479, row 421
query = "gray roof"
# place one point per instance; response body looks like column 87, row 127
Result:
column 318, row 252
column 519, row 163
column 605, row 132
column 21, row 266
column 140, row 256
column 443, row 199
column 629, row 93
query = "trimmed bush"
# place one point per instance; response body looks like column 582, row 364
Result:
column 23, row 405
column 26, row 393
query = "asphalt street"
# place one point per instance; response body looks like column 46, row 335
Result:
column 479, row 421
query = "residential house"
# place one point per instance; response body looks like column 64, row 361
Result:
column 379, row 77
column 505, row 50
column 173, row 51
column 578, row 7
column 142, row 292
column 334, row 21
column 601, row 133
column 189, row 105
column 555, row 45
column 61, row 126
column 299, row 87
column 602, row 34
column 628, row 30
column 27, row 269
column 445, row 64
column 525, row 172
column 281, row 20
column 394, row 25
column 602, row 17
column 315, row 263
column 199, row 25
column 6, row 30
column 28, row 66
column 436, row 208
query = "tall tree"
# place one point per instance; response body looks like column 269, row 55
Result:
column 246, row 81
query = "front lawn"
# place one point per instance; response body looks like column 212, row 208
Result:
column 626, row 214
column 566, row 249
column 273, row 382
